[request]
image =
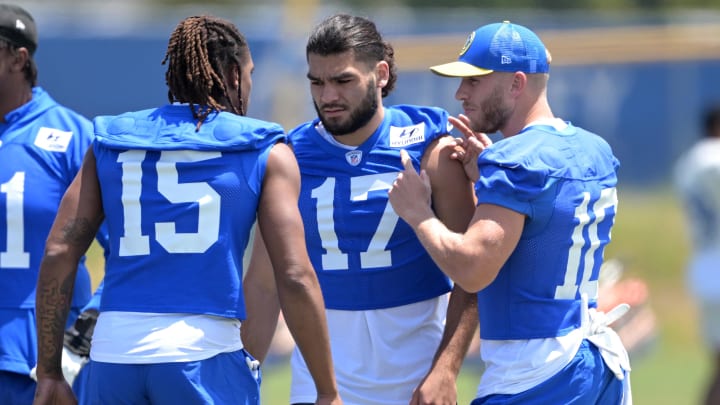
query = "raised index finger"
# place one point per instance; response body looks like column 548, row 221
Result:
column 406, row 161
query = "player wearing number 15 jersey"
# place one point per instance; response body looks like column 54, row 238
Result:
column 386, row 300
column 534, row 248
column 181, row 188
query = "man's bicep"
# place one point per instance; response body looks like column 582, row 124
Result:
column 278, row 213
column 80, row 213
column 452, row 193
column 497, row 229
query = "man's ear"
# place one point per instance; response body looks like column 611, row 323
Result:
column 20, row 59
column 519, row 82
column 382, row 72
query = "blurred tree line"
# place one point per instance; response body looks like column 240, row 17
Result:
column 502, row 4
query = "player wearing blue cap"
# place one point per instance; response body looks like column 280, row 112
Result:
column 546, row 204
column 181, row 188
column 41, row 149
column 387, row 302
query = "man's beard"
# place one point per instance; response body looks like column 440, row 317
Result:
column 494, row 114
column 359, row 116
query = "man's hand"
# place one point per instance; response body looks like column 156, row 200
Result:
column 410, row 193
column 71, row 365
column 54, row 392
column 76, row 346
column 435, row 389
column 468, row 149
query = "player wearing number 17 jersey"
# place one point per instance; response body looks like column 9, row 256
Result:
column 386, row 300
column 181, row 188
column 534, row 248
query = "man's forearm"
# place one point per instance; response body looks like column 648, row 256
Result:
column 53, row 297
column 460, row 327
column 304, row 312
column 262, row 318
column 261, row 298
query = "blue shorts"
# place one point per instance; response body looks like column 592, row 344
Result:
column 80, row 383
column 586, row 380
column 222, row 379
column 16, row 389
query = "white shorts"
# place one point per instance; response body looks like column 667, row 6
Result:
column 380, row 356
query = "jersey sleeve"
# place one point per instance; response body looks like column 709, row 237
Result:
column 434, row 119
column 510, row 180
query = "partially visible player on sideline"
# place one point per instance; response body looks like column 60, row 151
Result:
column 41, row 149
column 533, row 250
column 182, row 185
column 697, row 180
column 394, row 336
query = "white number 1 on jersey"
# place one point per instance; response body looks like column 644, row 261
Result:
column 14, row 255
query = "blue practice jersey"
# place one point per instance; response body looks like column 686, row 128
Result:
column 42, row 145
column 365, row 256
column 564, row 183
column 179, row 207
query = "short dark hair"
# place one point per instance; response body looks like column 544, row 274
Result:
column 199, row 51
column 342, row 32
column 711, row 120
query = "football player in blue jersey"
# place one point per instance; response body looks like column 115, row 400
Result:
column 546, row 203
column 41, row 149
column 397, row 334
column 181, row 187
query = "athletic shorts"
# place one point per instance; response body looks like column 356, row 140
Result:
column 222, row 379
column 585, row 380
column 16, row 388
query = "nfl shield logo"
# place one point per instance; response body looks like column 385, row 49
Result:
column 354, row 157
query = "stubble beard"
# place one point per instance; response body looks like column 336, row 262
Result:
column 359, row 116
column 494, row 114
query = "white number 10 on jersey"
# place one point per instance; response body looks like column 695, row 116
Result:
column 570, row 287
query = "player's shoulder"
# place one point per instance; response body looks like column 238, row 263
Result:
column 243, row 130
column 570, row 152
column 233, row 121
column 413, row 114
column 60, row 117
column 412, row 126
column 592, row 139
column 174, row 127
column 302, row 129
column 303, row 135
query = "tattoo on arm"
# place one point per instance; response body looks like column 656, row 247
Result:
column 55, row 289
column 78, row 231
column 52, row 309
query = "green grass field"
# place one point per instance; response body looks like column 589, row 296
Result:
column 649, row 237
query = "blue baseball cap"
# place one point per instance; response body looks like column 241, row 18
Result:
column 498, row 47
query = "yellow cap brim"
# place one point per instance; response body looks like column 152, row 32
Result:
column 459, row 69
